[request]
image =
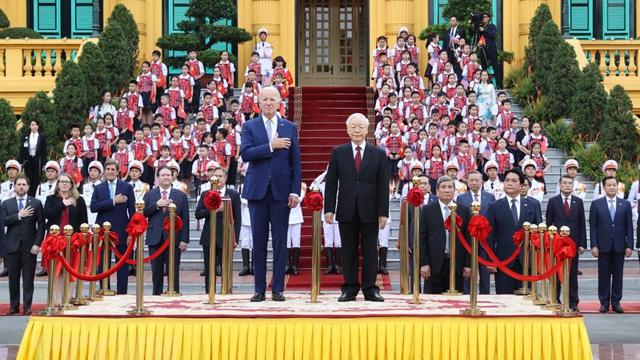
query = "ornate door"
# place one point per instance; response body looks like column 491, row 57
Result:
column 332, row 42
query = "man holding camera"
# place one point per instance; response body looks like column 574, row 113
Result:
column 487, row 49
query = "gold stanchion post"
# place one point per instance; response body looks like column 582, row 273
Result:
column 553, row 280
column 416, row 253
column 51, row 308
column 66, row 296
column 227, row 248
column 139, row 309
column 544, row 289
column 93, row 295
column 452, row 252
column 80, row 299
column 566, row 309
column 106, row 259
column 172, row 253
column 213, row 222
column 403, row 240
column 524, row 290
column 473, row 281
column 315, row 255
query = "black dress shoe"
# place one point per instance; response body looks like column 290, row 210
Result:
column 244, row 272
column 579, row 272
column 603, row 309
column 132, row 271
column 13, row 311
column 618, row 309
column 258, row 297
column 4, row 273
column 27, row 311
column 202, row 273
column 218, row 270
column 344, row 297
column 41, row 273
column 294, row 270
column 374, row 296
column 277, row 296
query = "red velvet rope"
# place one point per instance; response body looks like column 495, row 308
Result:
column 149, row 258
column 96, row 277
column 484, row 261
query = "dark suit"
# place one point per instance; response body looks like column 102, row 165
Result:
column 32, row 165
column 363, row 198
column 118, row 215
column 611, row 238
column 490, row 55
column 156, row 235
column 20, row 237
column 501, row 237
column 433, row 241
column 3, row 250
column 430, row 198
column 271, row 177
column 486, row 199
column 203, row 213
column 446, row 40
column 54, row 207
column 576, row 222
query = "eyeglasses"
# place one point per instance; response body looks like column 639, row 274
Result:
column 64, row 181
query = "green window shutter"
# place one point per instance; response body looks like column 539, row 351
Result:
column 581, row 19
column 437, row 16
column 46, row 17
column 81, row 18
column 615, row 19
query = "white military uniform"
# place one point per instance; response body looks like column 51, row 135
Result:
column 461, row 188
column 579, row 189
column 139, row 189
column 633, row 198
column 265, row 51
column 44, row 190
column 179, row 185
column 537, row 190
column 384, row 234
column 295, row 225
column 7, row 190
column 598, row 192
column 87, row 193
column 494, row 187
column 246, row 238
column 331, row 231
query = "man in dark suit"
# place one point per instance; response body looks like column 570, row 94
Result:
column 203, row 213
column 506, row 216
column 568, row 210
column 425, row 186
column 435, row 243
column 23, row 216
column 476, row 194
column 488, row 54
column 33, row 155
column 272, row 187
column 114, row 201
column 450, row 40
column 156, row 202
column 361, row 172
column 611, row 229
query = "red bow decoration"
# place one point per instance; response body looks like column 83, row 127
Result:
column 313, row 201
column 479, row 227
column 415, row 197
column 447, row 223
column 51, row 247
column 564, row 248
column 212, row 200
column 166, row 223
column 78, row 240
column 518, row 237
column 113, row 236
column 534, row 238
column 137, row 225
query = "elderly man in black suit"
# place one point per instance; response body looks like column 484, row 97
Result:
column 435, row 245
column 361, row 208
column 24, row 218
column 566, row 209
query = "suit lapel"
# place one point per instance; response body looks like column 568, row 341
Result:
column 524, row 210
column 366, row 155
column 262, row 130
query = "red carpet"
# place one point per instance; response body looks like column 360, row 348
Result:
column 327, row 282
column 4, row 309
column 592, row 307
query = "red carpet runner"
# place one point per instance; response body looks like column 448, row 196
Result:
column 324, row 112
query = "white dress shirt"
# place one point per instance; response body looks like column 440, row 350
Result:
column 517, row 198
column 33, row 143
column 362, row 146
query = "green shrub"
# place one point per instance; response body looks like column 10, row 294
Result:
column 116, row 53
column 587, row 104
column 41, row 107
column 590, row 159
column 70, row 96
column 524, row 91
column 8, row 132
column 516, row 74
column 561, row 135
column 619, row 136
column 19, row 33
column 561, row 80
column 546, row 47
column 538, row 110
column 436, row 28
column 541, row 17
column 4, row 20
column 93, row 66
column 127, row 22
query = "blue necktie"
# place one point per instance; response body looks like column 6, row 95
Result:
column 612, row 209
column 112, row 189
column 447, row 244
column 514, row 210
column 20, row 204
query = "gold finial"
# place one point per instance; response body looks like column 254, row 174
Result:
column 214, row 182
column 475, row 207
column 542, row 227
column 139, row 205
column 95, row 228
column 172, row 207
column 84, row 228
column 552, row 230
column 54, row 230
column 533, row 227
column 526, row 226
column 452, row 206
column 68, row 230
column 106, row 226
column 565, row 231
column 416, row 181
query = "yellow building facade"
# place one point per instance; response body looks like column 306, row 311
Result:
column 325, row 42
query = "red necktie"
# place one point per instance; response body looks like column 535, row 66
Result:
column 358, row 158
column 567, row 210
column 164, row 197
